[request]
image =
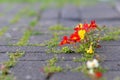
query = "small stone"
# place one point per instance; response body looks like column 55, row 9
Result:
column 28, row 77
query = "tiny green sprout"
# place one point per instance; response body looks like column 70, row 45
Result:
column 66, row 49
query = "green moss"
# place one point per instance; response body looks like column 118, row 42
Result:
column 15, row 19
column 5, row 71
column 24, row 39
column 3, row 30
column 66, row 49
column 111, row 34
column 33, row 23
column 52, row 69
column 51, row 66
column 109, row 38
column 6, row 77
column 36, row 33
column 58, row 28
column 27, row 34
column 32, row 13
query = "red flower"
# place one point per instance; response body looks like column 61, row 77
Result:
column 78, row 27
column 64, row 40
column 93, row 24
column 75, row 37
column 86, row 27
column 98, row 74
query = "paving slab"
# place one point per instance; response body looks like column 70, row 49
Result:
column 13, row 34
column 110, row 43
column 3, row 57
column 111, row 65
column 69, row 23
column 69, row 76
column 50, row 13
column 29, row 49
column 46, row 56
column 70, row 12
column 117, row 5
column 100, row 11
column 43, row 25
column 38, row 39
column 114, row 22
column 112, row 75
column 106, row 49
column 27, row 70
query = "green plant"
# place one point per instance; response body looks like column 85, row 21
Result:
column 66, row 49
column 36, row 33
column 15, row 19
column 111, row 34
column 58, row 28
column 6, row 66
column 51, row 66
column 3, row 30
column 24, row 39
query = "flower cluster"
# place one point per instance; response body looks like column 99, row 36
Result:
column 85, row 39
column 84, row 35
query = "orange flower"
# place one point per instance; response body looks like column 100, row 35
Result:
column 75, row 37
column 64, row 40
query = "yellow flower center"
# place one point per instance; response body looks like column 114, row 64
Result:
column 81, row 34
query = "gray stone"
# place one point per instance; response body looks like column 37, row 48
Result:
column 36, row 57
column 110, row 56
column 22, row 48
column 13, row 34
column 70, row 12
column 100, row 11
column 117, row 5
column 110, row 43
column 46, row 23
column 46, row 56
column 69, row 23
column 113, row 22
column 43, row 25
column 111, row 65
column 68, row 65
column 38, row 39
column 50, row 13
column 29, row 70
column 108, row 49
column 112, row 75
column 3, row 57
column 69, row 76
